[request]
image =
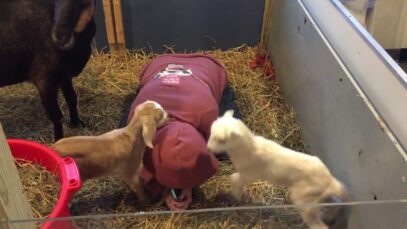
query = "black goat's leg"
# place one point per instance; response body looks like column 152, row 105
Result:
column 48, row 89
column 72, row 101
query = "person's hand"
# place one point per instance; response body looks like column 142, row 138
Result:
column 183, row 201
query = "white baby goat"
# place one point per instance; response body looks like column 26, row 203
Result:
column 306, row 177
column 118, row 152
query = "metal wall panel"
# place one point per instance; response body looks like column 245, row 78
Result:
column 187, row 25
column 377, row 74
column 338, row 121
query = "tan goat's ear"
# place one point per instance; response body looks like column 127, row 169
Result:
column 149, row 130
column 228, row 113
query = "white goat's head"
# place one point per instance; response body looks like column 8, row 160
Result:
column 226, row 131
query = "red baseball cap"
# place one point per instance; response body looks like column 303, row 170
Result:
column 180, row 157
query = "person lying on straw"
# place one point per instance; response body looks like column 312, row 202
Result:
column 193, row 89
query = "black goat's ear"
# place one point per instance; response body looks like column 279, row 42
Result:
column 57, row 10
column 85, row 16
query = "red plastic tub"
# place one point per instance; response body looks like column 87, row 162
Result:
column 64, row 168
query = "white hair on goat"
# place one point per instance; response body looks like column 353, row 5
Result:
column 118, row 152
column 306, row 177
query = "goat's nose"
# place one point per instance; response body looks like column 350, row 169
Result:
column 63, row 39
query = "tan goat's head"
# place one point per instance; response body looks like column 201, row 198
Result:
column 152, row 116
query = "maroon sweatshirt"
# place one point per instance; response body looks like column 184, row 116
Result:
column 189, row 87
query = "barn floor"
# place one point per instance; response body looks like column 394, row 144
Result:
column 102, row 89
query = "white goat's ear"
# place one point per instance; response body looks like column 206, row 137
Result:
column 234, row 134
column 149, row 130
column 228, row 113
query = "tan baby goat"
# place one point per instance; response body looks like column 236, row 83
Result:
column 306, row 177
column 118, row 152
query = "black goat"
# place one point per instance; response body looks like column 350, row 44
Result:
column 47, row 49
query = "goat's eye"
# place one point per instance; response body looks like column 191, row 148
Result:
column 160, row 116
column 221, row 141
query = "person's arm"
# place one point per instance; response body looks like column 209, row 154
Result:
column 228, row 102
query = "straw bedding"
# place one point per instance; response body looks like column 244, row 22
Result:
column 40, row 186
column 102, row 88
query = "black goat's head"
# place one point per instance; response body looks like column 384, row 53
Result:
column 71, row 17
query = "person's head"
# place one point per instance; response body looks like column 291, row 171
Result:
column 180, row 158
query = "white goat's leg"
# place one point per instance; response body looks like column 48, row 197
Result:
column 237, row 185
column 311, row 217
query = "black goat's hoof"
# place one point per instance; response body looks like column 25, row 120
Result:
column 75, row 123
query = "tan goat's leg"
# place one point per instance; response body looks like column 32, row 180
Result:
column 141, row 195
column 137, row 186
